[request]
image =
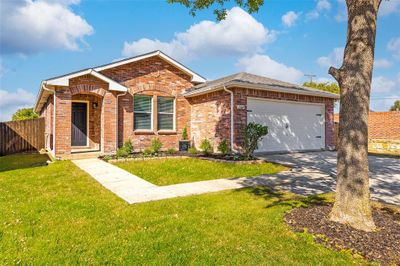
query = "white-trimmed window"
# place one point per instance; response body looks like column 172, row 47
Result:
column 143, row 106
column 165, row 113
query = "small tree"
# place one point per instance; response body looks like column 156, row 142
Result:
column 184, row 133
column 253, row 133
column 156, row 145
column 331, row 87
column 223, row 147
column 395, row 106
column 24, row 114
column 128, row 146
column 206, row 147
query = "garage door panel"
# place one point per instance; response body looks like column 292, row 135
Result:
column 291, row 126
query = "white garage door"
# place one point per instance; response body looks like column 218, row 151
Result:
column 292, row 126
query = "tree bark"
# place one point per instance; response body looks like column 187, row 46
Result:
column 352, row 202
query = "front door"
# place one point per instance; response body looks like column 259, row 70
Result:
column 79, row 124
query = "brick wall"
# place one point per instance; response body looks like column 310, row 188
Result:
column 210, row 118
column 63, row 122
column 382, row 125
column 47, row 112
column 152, row 76
column 211, row 114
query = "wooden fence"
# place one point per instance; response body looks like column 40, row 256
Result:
column 22, row 136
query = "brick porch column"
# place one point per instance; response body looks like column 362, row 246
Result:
column 63, row 122
column 109, row 123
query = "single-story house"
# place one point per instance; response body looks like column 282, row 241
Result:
column 154, row 96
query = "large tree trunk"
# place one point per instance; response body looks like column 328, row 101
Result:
column 352, row 203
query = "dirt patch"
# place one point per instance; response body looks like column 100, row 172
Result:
column 382, row 246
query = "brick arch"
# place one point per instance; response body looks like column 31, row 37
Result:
column 143, row 87
column 87, row 88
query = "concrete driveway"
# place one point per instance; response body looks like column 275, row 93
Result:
column 315, row 172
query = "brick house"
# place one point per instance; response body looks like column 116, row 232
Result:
column 154, row 96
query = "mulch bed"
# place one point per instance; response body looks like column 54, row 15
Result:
column 382, row 246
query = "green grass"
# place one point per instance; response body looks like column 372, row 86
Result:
column 17, row 161
column 181, row 170
column 58, row 215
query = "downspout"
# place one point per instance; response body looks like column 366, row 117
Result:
column 53, row 91
column 123, row 94
column 232, row 116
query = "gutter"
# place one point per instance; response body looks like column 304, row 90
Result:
column 52, row 91
column 232, row 117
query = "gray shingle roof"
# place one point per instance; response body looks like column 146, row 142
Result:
column 243, row 79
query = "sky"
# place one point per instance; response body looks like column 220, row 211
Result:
column 285, row 39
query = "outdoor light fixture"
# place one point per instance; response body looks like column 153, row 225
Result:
column 94, row 105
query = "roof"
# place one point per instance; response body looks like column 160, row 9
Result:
column 252, row 81
column 63, row 80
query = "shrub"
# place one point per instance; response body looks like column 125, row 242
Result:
column 107, row 158
column 128, row 146
column 171, row 151
column 147, row 152
column 193, row 150
column 184, row 133
column 253, row 133
column 156, row 145
column 122, row 153
column 206, row 147
column 223, row 147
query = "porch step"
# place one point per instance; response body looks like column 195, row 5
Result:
column 85, row 155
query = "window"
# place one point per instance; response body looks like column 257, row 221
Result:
column 165, row 113
column 142, row 105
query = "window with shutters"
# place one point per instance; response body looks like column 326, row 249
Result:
column 143, row 105
column 165, row 113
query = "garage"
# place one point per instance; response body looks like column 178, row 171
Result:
column 292, row 126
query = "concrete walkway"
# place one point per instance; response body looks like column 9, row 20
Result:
column 134, row 189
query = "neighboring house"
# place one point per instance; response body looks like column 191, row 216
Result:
column 152, row 95
column 383, row 131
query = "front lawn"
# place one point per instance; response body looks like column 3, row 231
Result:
column 18, row 161
column 181, row 170
column 57, row 215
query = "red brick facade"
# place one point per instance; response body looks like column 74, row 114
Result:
column 111, row 113
column 211, row 114
column 382, row 125
column 156, row 77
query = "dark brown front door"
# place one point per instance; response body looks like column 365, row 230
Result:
column 79, row 124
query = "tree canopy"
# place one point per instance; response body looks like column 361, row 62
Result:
column 24, row 114
column 324, row 86
column 395, row 106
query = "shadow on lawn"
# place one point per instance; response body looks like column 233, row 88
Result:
column 280, row 198
column 22, row 161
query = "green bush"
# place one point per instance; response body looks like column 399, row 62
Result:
column 206, row 147
column 128, row 146
column 107, row 158
column 171, row 151
column 122, row 153
column 147, row 152
column 156, row 145
column 223, row 147
column 253, row 133
column 184, row 133
column 192, row 150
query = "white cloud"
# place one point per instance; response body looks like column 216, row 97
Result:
column 394, row 47
column 264, row 65
column 381, row 84
column 12, row 101
column 322, row 6
column 334, row 58
column 239, row 33
column 382, row 63
column 289, row 19
column 389, row 7
column 342, row 11
column 29, row 26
